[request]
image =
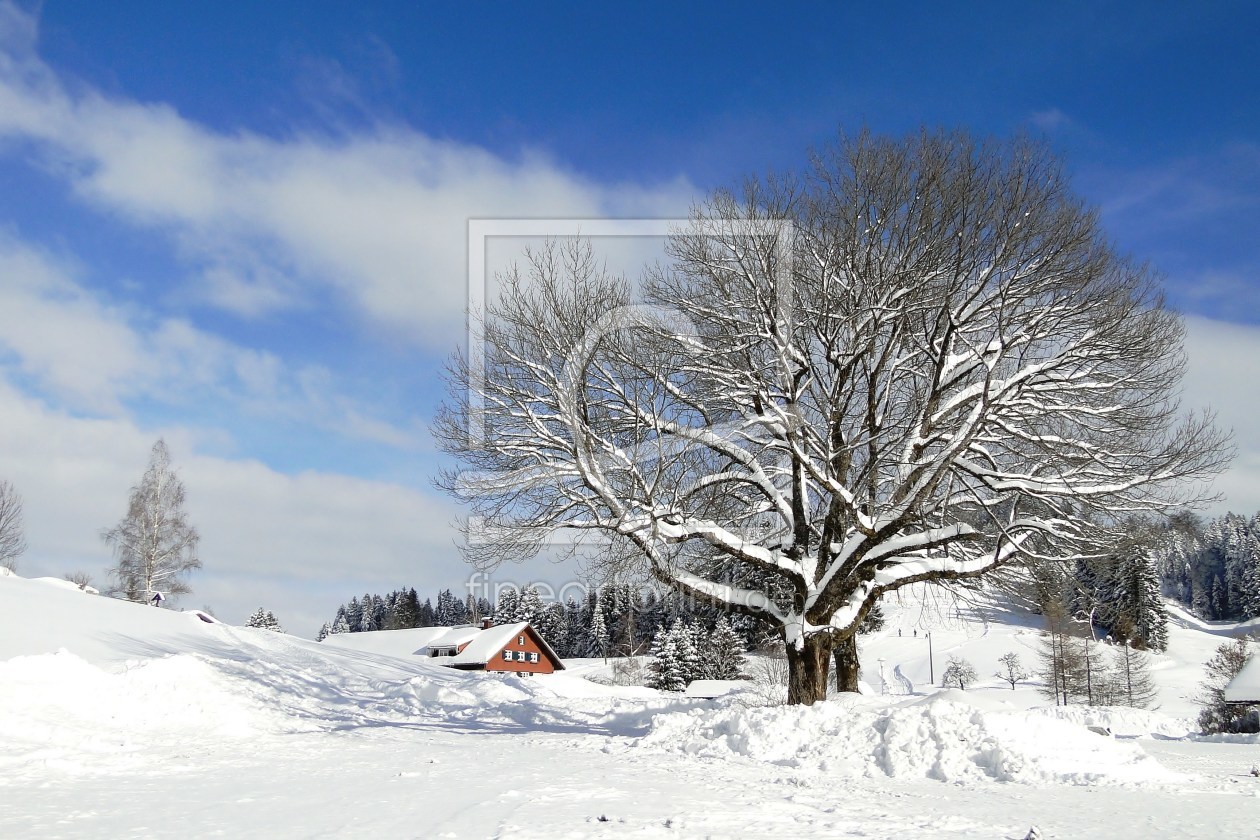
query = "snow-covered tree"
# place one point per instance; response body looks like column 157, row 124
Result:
column 339, row 625
column 154, row 545
column 529, row 607
column 724, row 655
column 1120, row 589
column 1011, row 669
column 959, row 672
column 12, row 534
column 551, row 626
column 920, row 361
column 1220, row 670
column 325, row 631
column 688, row 642
column 505, row 610
column 264, row 620
column 665, row 672
column 599, row 634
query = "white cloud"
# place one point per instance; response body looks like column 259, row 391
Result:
column 376, row 218
column 79, row 348
column 1222, row 372
column 294, row 538
column 1050, row 120
column 91, row 356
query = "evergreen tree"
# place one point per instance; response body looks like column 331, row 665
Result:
column 340, row 625
column 324, row 632
column 665, row 671
column 551, row 626
column 446, row 613
column 529, row 607
column 354, row 614
column 725, row 652
column 692, row 644
column 599, row 635
column 427, row 617
column 264, row 620
column 576, row 632
column 509, row 602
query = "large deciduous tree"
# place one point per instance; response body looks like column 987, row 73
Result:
column 12, row 533
column 154, row 545
column 921, row 360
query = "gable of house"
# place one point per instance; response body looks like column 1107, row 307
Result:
column 508, row 647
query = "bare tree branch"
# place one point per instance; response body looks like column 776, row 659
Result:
column 944, row 369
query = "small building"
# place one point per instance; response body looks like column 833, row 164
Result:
column 515, row 648
column 1244, row 689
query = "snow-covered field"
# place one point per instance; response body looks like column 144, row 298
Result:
column 119, row 720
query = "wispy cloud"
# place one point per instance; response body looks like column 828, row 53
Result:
column 375, row 218
column 74, row 346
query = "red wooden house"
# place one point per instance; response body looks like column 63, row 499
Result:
column 506, row 647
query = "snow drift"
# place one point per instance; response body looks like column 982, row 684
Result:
column 944, row 737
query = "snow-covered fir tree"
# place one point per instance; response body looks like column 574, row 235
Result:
column 325, row 631
column 529, row 607
column 725, row 652
column 508, row 604
column 599, row 634
column 665, row 671
column 264, row 620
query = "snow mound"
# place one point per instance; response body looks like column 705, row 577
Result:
column 944, row 737
column 1122, row 721
column 59, row 709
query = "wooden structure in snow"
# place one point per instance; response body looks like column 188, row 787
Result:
column 515, row 648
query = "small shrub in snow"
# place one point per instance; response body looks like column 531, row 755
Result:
column 958, row 672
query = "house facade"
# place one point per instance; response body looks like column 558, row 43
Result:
column 515, row 648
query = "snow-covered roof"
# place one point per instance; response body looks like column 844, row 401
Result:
column 1245, row 688
column 453, row 637
column 487, row 644
column 401, row 643
column 707, row 689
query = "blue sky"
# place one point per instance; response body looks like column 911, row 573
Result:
column 243, row 228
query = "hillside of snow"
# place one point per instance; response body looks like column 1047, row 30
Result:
column 118, row 719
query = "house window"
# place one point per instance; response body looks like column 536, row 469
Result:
column 520, row 656
column 520, row 640
column 507, row 656
column 533, row 657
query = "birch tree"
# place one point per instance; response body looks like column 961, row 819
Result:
column 920, row 360
column 154, row 545
column 12, row 534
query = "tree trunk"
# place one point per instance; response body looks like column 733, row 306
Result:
column 807, row 671
column 847, row 668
